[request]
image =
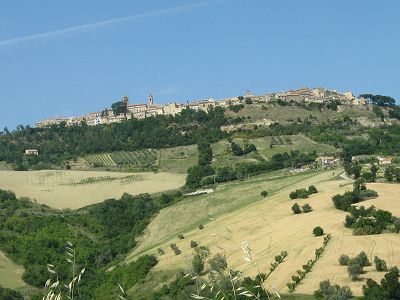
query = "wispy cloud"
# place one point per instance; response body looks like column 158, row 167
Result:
column 97, row 25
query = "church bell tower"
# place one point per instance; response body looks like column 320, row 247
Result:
column 150, row 98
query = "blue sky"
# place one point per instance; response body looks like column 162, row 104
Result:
column 72, row 57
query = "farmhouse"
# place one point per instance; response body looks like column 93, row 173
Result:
column 328, row 160
column 31, row 152
column 384, row 160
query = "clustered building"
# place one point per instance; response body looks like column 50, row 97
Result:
column 141, row 111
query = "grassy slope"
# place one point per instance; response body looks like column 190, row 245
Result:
column 224, row 157
column 10, row 273
column 284, row 114
column 270, row 227
column 229, row 197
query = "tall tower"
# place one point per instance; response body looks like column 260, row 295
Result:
column 150, row 100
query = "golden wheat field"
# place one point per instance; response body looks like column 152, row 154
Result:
column 75, row 189
column 10, row 273
column 269, row 226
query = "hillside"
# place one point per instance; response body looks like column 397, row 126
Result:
column 125, row 195
column 270, row 227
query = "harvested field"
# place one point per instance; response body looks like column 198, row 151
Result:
column 270, row 227
column 75, row 189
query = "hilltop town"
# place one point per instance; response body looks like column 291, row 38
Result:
column 141, row 111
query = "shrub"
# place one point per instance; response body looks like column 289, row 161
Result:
column 312, row 190
column 218, row 263
column 328, row 291
column 368, row 194
column 198, row 264
column 160, row 251
column 201, row 226
column 397, row 225
column 180, row 236
column 203, row 251
column 296, row 209
column 306, row 208
column 380, row 264
column 354, row 269
column 299, row 193
column 264, row 193
column 318, row 231
column 175, row 248
column 388, row 289
column 362, row 259
column 344, row 260
column 193, row 244
column 349, row 221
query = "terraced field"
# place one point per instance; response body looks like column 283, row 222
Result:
column 146, row 157
column 100, row 160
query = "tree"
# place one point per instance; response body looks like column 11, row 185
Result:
column 374, row 171
column 197, row 264
column 306, row 208
column 389, row 173
column 354, row 269
column 332, row 292
column 264, row 193
column 193, row 244
column 119, row 108
column 296, row 208
column 380, row 100
column 362, row 259
column 380, row 264
column 312, row 190
column 388, row 289
column 218, row 263
column 204, row 153
column 344, row 260
column 248, row 101
column 318, row 231
column 356, row 169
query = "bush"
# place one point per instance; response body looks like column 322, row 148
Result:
column 197, row 264
column 344, row 260
column 368, row 194
column 397, row 225
column 306, row 208
column 299, row 193
column 388, row 289
column 354, row 269
column 362, row 259
column 328, row 291
column 160, row 251
column 312, row 190
column 9, row 294
column 193, row 244
column 175, row 248
column 380, row 264
column 349, row 221
column 180, row 236
column 296, row 209
column 318, row 231
column 264, row 193
column 201, row 226
column 218, row 263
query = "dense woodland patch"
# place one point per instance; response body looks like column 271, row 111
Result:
column 35, row 235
